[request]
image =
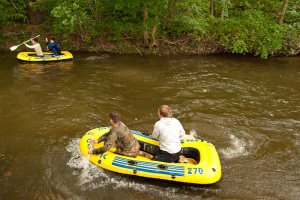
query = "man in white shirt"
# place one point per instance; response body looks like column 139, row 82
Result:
column 168, row 130
column 36, row 46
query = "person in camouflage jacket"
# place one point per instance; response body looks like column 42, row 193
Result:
column 119, row 136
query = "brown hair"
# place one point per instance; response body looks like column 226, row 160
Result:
column 116, row 117
column 165, row 111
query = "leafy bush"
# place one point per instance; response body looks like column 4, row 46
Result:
column 69, row 17
column 242, row 27
column 13, row 11
column 251, row 32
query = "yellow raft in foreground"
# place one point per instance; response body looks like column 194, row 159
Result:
column 206, row 171
column 48, row 56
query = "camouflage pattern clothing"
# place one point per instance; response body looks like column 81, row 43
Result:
column 120, row 137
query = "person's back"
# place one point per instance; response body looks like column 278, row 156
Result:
column 168, row 130
column 126, row 143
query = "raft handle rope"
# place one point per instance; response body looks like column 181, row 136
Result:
column 162, row 167
column 132, row 162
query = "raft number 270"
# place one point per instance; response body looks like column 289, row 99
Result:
column 195, row 170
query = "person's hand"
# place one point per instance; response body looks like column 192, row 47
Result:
column 24, row 42
column 90, row 151
column 94, row 141
column 46, row 39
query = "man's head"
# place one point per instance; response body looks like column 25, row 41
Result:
column 115, row 117
column 34, row 40
column 52, row 40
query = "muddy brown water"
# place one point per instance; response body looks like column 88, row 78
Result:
column 247, row 107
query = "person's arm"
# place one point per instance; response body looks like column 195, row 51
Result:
column 100, row 139
column 104, row 137
column 29, row 46
column 155, row 132
column 181, row 130
column 110, row 141
column 52, row 45
column 49, row 45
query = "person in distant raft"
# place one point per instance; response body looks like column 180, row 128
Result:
column 53, row 46
column 168, row 130
column 119, row 136
column 36, row 46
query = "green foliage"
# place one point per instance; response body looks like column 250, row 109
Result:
column 186, row 17
column 13, row 11
column 252, row 32
column 69, row 17
column 127, row 16
column 292, row 15
column 122, row 17
column 223, row 5
column 291, row 40
column 46, row 6
column 247, row 26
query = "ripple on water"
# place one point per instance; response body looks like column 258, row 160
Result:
column 97, row 58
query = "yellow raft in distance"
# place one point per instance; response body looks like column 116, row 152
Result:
column 48, row 56
column 206, row 171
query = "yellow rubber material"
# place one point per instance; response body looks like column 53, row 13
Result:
column 206, row 171
column 48, row 56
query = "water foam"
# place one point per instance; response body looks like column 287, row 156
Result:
column 193, row 133
column 88, row 171
column 237, row 149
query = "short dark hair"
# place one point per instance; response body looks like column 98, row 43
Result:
column 116, row 117
column 52, row 39
column 35, row 39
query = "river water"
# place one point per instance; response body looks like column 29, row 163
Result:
column 247, row 107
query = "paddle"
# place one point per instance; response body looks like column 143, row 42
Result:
column 15, row 47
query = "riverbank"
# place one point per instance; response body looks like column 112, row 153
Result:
column 14, row 34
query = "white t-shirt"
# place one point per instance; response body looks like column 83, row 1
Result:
column 37, row 48
column 168, row 131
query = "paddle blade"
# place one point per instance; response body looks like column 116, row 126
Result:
column 13, row 48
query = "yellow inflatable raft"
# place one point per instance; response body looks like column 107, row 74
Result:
column 48, row 56
column 206, row 170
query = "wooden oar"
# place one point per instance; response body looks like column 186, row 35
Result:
column 15, row 47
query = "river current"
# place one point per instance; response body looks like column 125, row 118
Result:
column 247, row 107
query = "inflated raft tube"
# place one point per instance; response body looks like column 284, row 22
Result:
column 48, row 56
column 206, row 168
